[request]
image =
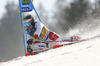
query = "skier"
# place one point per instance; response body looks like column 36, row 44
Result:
column 36, row 31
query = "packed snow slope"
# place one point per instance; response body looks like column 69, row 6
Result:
column 80, row 54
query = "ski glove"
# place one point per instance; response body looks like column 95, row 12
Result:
column 30, row 41
column 29, row 49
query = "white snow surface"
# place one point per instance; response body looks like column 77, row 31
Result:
column 81, row 54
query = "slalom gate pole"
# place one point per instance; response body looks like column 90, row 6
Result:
column 22, row 26
column 26, row 8
column 36, row 12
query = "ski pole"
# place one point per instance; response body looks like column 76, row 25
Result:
column 59, row 41
column 72, row 40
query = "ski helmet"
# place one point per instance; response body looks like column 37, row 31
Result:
column 28, row 18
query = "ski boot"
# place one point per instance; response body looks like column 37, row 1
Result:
column 75, row 38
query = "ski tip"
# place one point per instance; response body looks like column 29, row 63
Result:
column 83, row 40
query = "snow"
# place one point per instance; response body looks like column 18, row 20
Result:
column 81, row 54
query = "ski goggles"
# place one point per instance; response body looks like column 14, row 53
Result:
column 27, row 24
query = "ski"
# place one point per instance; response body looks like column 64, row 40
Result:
column 56, row 46
column 62, row 45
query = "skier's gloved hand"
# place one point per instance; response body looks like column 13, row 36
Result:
column 29, row 42
column 29, row 49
